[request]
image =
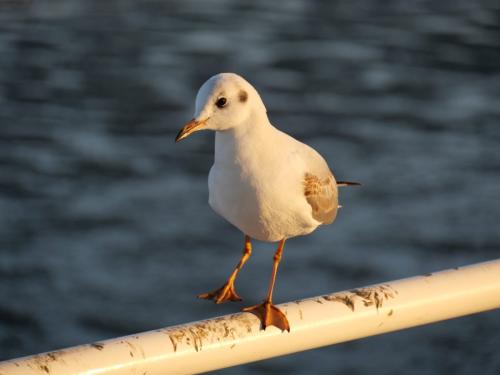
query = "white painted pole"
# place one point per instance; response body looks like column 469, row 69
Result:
column 235, row 339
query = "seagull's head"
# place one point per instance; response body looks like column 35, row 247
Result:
column 223, row 102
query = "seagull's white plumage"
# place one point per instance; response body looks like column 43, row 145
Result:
column 266, row 183
column 263, row 181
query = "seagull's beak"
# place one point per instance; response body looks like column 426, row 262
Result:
column 191, row 127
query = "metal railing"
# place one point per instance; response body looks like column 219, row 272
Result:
column 236, row 339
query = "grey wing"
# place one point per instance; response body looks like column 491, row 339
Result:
column 322, row 195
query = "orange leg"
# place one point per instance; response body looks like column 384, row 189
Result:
column 269, row 314
column 227, row 292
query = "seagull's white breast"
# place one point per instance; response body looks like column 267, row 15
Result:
column 257, row 182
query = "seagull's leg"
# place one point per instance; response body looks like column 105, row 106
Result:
column 227, row 292
column 269, row 314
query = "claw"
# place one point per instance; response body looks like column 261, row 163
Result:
column 269, row 315
column 223, row 294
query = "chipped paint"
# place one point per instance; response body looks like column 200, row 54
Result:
column 174, row 342
column 345, row 299
column 56, row 356
column 97, row 345
column 369, row 296
column 41, row 362
column 135, row 349
column 298, row 302
column 207, row 332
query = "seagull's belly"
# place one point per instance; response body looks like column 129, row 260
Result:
column 269, row 212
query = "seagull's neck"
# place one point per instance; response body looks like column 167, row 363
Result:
column 232, row 144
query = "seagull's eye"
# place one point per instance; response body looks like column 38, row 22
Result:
column 221, row 102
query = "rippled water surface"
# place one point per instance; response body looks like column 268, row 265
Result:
column 105, row 228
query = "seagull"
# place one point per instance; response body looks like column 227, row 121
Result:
column 266, row 183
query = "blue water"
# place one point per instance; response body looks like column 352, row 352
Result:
column 105, row 229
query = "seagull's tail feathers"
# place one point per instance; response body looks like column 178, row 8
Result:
column 348, row 183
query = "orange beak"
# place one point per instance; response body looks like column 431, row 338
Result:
column 191, row 127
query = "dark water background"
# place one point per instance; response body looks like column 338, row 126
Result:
column 105, row 228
